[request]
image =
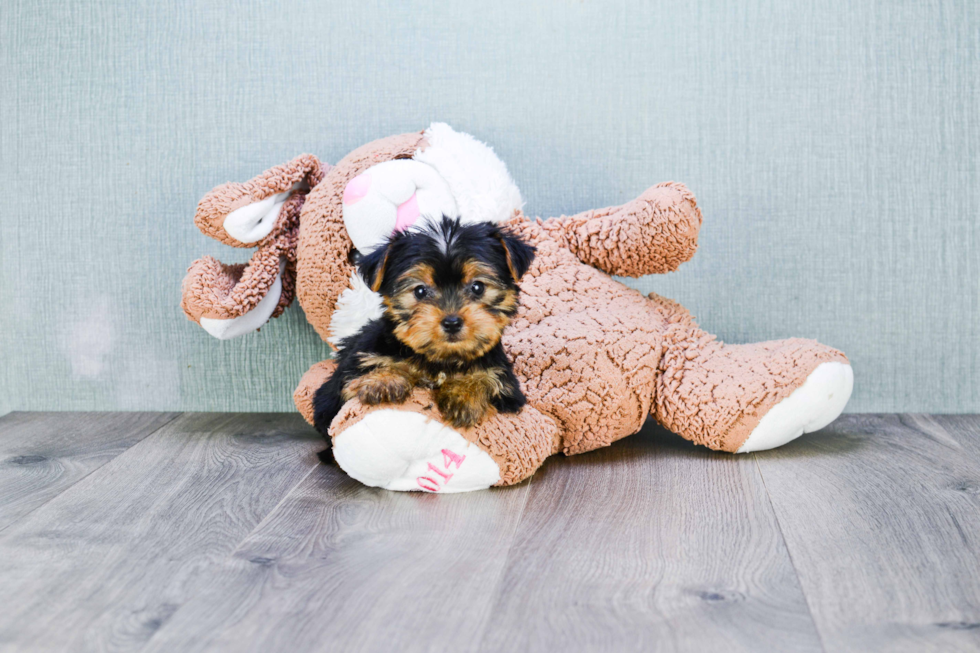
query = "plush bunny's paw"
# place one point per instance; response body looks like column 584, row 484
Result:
column 404, row 450
column 812, row 406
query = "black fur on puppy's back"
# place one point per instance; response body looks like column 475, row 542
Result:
column 328, row 399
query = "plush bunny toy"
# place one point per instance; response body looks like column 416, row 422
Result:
column 594, row 357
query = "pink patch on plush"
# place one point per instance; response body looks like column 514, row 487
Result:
column 408, row 213
column 357, row 188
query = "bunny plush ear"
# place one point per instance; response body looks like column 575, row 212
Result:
column 231, row 300
column 245, row 214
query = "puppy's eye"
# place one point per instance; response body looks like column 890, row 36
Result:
column 477, row 288
column 420, row 292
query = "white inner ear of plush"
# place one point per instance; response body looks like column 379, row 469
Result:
column 255, row 221
column 356, row 306
column 478, row 179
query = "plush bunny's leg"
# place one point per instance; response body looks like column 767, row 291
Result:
column 810, row 407
column 742, row 398
column 408, row 447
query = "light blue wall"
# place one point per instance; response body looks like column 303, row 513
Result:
column 833, row 147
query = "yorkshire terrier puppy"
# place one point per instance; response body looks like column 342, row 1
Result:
column 449, row 291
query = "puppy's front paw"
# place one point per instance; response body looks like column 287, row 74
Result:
column 460, row 409
column 379, row 388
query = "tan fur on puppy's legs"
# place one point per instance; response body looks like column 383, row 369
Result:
column 390, row 381
column 379, row 387
column 464, row 400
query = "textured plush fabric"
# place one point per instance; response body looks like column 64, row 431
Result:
column 323, row 271
column 594, row 356
column 316, row 376
column 214, row 290
column 599, row 356
column 517, row 443
column 653, row 234
column 715, row 393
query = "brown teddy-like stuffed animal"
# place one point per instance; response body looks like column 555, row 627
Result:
column 594, row 357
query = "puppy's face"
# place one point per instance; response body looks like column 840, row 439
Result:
column 450, row 289
column 454, row 310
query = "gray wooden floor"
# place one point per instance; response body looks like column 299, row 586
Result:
column 216, row 532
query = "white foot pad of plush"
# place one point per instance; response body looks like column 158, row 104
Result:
column 812, row 406
column 402, row 450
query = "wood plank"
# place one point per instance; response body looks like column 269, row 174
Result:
column 962, row 429
column 882, row 517
column 104, row 564
column 342, row 567
column 43, row 454
column 652, row 543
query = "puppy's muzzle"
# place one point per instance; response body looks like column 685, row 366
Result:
column 452, row 324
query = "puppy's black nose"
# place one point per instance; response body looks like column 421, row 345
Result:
column 452, row 324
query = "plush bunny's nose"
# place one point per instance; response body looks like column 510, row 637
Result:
column 452, row 324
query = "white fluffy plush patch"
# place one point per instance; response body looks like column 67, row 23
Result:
column 356, row 306
column 402, row 450
column 812, row 406
column 484, row 190
column 392, row 188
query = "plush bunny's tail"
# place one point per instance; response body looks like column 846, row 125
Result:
column 232, row 300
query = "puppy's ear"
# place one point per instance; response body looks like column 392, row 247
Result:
column 519, row 254
column 371, row 267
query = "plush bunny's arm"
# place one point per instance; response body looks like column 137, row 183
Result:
column 653, row 234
